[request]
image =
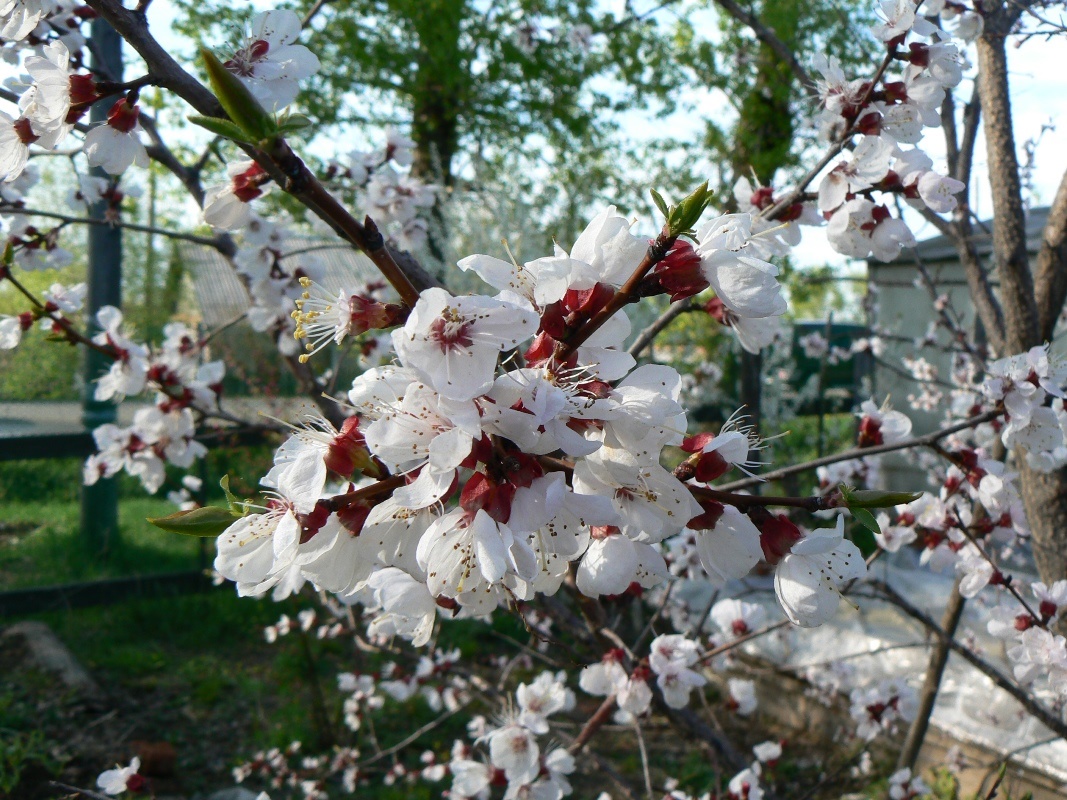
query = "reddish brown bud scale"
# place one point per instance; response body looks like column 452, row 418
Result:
column 678, row 273
column 870, row 433
column 246, row 185
column 24, row 131
column 348, row 450
column 778, row 534
column 713, row 511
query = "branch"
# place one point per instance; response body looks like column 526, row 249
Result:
column 798, row 192
column 745, row 501
column 130, row 226
column 593, row 724
column 628, row 293
column 283, row 165
column 860, row 452
column 1045, row 716
column 935, row 671
column 646, row 337
column 1050, row 275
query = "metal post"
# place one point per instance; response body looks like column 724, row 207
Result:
column 99, row 503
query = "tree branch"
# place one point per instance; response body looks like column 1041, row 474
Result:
column 1045, row 716
column 1050, row 275
column 130, row 226
column 283, row 165
column 1009, row 216
column 860, row 452
column 648, row 335
column 935, row 671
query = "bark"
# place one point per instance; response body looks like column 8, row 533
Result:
column 935, row 671
column 1050, row 274
column 1045, row 498
column 1009, row 217
column 440, row 83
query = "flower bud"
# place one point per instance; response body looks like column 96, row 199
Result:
column 778, row 534
column 678, row 273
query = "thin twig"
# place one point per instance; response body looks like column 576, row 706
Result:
column 861, row 452
column 646, row 337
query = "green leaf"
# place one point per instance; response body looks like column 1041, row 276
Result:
column 661, row 204
column 238, row 101
column 237, row 508
column 866, row 519
column 206, row 521
column 686, row 214
column 866, row 498
column 292, row 123
column 221, row 127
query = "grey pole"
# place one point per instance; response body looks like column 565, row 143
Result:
column 99, row 502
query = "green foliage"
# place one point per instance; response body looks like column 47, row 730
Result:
column 762, row 133
column 40, row 545
column 205, row 522
column 19, row 751
column 944, row 785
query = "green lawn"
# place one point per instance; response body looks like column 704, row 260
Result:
column 40, row 544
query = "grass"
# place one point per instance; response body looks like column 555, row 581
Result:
column 40, row 544
column 197, row 673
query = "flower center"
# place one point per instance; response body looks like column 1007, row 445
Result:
column 451, row 331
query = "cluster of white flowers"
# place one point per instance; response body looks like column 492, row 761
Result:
column 926, row 375
column 1034, row 650
column 881, row 708
column 745, row 785
column 814, row 345
column 55, row 100
column 887, row 115
column 1032, row 388
column 451, row 419
column 284, row 626
column 948, row 526
column 516, row 759
column 905, row 786
column 59, row 302
column 379, row 180
column 274, row 765
column 164, row 432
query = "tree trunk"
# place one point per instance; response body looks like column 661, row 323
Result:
column 1045, row 499
column 440, row 85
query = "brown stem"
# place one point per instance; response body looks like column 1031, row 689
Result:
column 860, row 452
column 646, row 337
column 69, row 220
column 1009, row 216
column 656, row 252
column 744, row 501
column 281, row 163
column 935, row 671
column 382, row 488
column 593, row 724
column 798, row 192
